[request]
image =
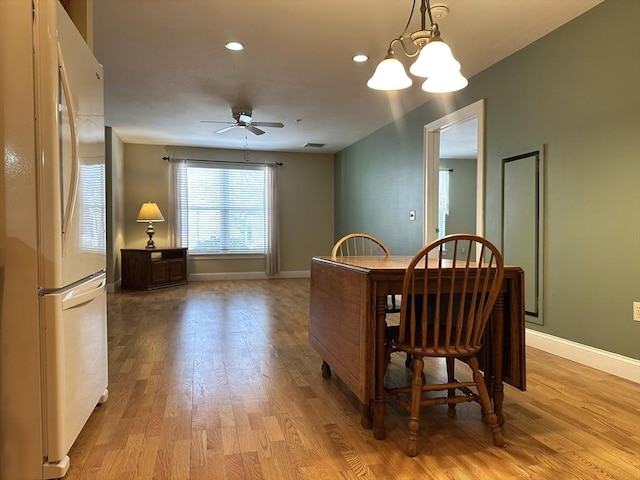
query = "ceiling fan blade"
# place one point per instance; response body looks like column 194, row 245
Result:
column 215, row 121
column 253, row 129
column 268, row 124
column 244, row 118
column 226, row 129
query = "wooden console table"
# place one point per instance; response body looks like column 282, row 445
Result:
column 146, row 269
column 347, row 328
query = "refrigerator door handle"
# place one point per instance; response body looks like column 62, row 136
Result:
column 73, row 186
column 74, row 299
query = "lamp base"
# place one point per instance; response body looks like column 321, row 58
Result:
column 150, row 232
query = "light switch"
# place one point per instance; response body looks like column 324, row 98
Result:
column 412, row 215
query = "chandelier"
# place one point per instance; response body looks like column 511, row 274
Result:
column 435, row 60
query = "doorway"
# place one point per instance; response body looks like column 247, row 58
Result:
column 471, row 115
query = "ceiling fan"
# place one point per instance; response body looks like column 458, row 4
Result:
column 243, row 119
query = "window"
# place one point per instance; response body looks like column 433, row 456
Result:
column 443, row 202
column 92, row 221
column 221, row 208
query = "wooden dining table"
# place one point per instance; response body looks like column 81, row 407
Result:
column 347, row 323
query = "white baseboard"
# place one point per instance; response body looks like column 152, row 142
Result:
column 203, row 277
column 608, row 362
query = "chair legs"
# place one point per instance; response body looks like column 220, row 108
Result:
column 416, row 398
column 417, row 385
column 408, row 362
column 450, row 379
column 487, row 410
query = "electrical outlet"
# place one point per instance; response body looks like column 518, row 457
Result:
column 636, row 311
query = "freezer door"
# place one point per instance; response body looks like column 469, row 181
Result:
column 75, row 361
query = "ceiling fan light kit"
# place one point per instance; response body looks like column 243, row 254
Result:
column 435, row 60
column 244, row 119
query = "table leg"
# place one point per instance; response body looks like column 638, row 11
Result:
column 367, row 420
column 498, row 349
column 379, row 431
column 489, row 356
column 326, row 370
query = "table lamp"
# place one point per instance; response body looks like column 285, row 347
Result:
column 149, row 212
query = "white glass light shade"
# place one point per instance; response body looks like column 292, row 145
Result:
column 149, row 212
column 447, row 82
column 389, row 75
column 434, row 58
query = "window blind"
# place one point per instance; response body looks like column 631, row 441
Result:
column 222, row 207
column 93, row 208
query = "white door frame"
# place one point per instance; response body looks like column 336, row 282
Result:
column 432, row 162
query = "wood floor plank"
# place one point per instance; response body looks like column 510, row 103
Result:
column 217, row 381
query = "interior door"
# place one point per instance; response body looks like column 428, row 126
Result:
column 432, row 167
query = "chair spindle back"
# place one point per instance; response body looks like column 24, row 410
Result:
column 359, row 245
column 446, row 312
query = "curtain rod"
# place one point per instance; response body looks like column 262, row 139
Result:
column 279, row 164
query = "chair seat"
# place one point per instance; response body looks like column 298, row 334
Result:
column 440, row 351
column 392, row 333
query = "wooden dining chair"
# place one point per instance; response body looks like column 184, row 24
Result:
column 444, row 314
column 363, row 244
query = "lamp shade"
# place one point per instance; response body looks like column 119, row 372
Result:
column 389, row 75
column 149, row 212
column 435, row 57
column 446, row 82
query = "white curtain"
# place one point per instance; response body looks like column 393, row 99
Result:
column 272, row 232
column 178, row 227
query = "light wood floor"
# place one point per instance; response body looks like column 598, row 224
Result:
column 216, row 380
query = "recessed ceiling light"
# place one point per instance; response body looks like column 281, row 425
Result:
column 234, row 46
column 359, row 58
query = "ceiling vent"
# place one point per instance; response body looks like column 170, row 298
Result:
column 314, row 145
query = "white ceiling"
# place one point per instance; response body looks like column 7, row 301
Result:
column 166, row 68
column 460, row 140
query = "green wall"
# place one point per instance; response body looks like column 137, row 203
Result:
column 576, row 91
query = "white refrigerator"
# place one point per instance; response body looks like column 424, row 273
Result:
column 53, row 332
